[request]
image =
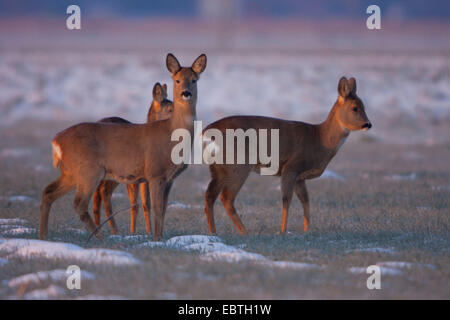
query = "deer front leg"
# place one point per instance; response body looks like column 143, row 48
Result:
column 132, row 190
column 157, row 188
column 287, row 189
column 145, row 197
column 302, row 194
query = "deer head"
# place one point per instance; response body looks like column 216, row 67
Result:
column 350, row 111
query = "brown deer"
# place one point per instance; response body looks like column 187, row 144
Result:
column 304, row 152
column 161, row 108
column 88, row 153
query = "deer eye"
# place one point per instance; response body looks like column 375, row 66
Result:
column 355, row 109
column 178, row 81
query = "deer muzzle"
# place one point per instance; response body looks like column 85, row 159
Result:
column 186, row 95
column 366, row 126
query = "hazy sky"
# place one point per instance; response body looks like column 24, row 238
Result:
column 316, row 9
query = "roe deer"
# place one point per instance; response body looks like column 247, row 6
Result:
column 304, row 152
column 88, row 153
column 161, row 108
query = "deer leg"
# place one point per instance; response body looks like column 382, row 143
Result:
column 132, row 190
column 157, row 188
column 85, row 189
column 287, row 188
column 167, row 189
column 96, row 204
column 53, row 191
column 145, row 197
column 212, row 192
column 302, row 194
column 106, row 190
column 228, row 196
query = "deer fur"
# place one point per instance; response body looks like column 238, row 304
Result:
column 304, row 152
column 161, row 108
column 125, row 153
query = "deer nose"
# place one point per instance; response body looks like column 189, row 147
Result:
column 367, row 125
column 186, row 93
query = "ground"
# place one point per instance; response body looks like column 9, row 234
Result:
column 384, row 199
column 368, row 215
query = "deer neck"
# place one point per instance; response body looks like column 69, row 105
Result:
column 184, row 114
column 332, row 132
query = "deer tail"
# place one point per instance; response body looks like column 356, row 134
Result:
column 57, row 154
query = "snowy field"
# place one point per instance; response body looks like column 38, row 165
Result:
column 384, row 199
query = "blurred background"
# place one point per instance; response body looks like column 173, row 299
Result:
column 278, row 58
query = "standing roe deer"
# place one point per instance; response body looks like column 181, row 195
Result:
column 88, row 153
column 161, row 108
column 304, row 152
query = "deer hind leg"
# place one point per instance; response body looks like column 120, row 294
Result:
column 145, row 197
column 107, row 188
column 302, row 194
column 132, row 190
column 53, row 191
column 167, row 189
column 97, row 204
column 233, row 183
column 157, row 190
column 212, row 192
column 287, row 188
column 86, row 186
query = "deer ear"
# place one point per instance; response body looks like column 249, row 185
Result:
column 164, row 86
column 199, row 64
column 352, row 83
column 343, row 87
column 158, row 93
column 172, row 64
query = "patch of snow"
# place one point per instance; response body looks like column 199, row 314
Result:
column 234, row 255
column 357, row 270
column 404, row 265
column 384, row 270
column 42, row 276
column 151, row 244
column 392, row 267
column 24, row 248
column 49, row 293
column 211, row 248
column 292, row 265
column 402, row 177
column 136, row 237
column 20, row 198
column 390, row 271
column 12, row 221
column 18, row 231
column 375, row 249
column 131, row 238
column 329, row 174
column 181, row 241
column 9, row 226
column 77, row 231
column 180, row 205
